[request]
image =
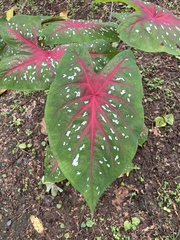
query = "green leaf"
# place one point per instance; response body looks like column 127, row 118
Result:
column 169, row 118
column 152, row 29
column 101, row 53
column 94, row 120
column 127, row 225
column 77, row 31
column 160, row 122
column 52, row 187
column 128, row 2
column 89, row 222
column 22, row 145
column 52, row 172
column 121, row 16
column 135, row 221
column 143, row 136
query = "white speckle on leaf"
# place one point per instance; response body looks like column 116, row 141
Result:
column 77, row 94
column 102, row 146
column 75, row 160
column 85, row 114
column 116, row 158
column 112, row 131
column 115, row 121
column 82, row 147
column 84, row 123
column 102, row 117
column 120, row 79
column 162, row 26
column 68, row 133
column 109, row 137
column 64, row 75
column 155, row 27
column 29, row 67
column 148, row 29
column 105, row 159
column 113, row 88
column 77, row 128
column 78, row 69
column 123, row 92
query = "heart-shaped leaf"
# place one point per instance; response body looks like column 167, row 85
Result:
column 94, row 120
column 78, row 31
column 152, row 29
column 29, row 66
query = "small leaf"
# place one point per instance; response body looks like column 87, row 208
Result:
column 135, row 221
column 89, row 222
column 167, row 209
column 2, row 90
column 143, row 136
column 50, row 186
column 64, row 14
column 22, row 145
column 127, row 225
column 128, row 2
column 43, row 127
column 55, row 189
column 10, row 13
column 37, row 224
column 169, row 118
column 160, row 122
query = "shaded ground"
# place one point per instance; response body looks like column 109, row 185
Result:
column 151, row 192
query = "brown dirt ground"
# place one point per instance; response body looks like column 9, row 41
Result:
column 142, row 194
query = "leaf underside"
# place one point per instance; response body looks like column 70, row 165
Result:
column 152, row 29
column 94, row 119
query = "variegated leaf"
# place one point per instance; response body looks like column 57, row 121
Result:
column 94, row 120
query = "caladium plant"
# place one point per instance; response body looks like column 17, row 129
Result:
column 98, row 138
column 150, row 28
column 28, row 65
column 94, row 111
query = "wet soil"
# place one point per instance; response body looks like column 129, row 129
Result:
column 151, row 192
